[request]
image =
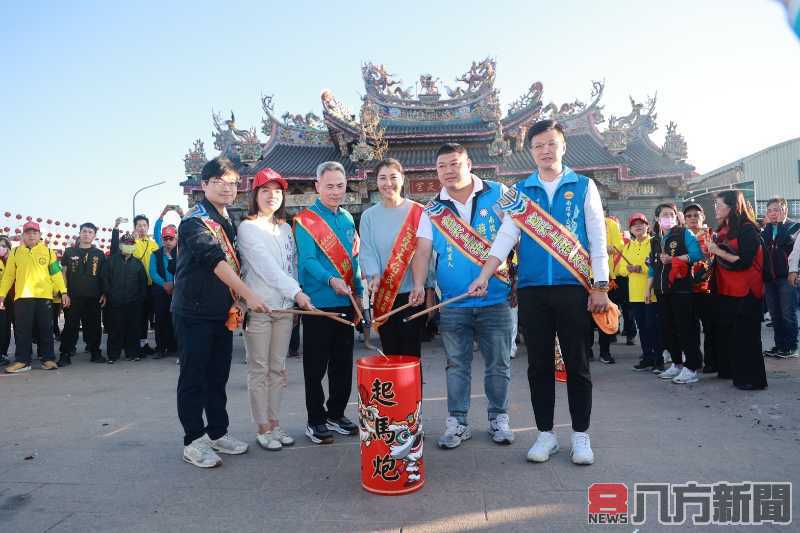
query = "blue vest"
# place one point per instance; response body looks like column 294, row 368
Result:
column 454, row 272
column 536, row 266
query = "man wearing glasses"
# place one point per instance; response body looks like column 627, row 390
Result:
column 207, row 284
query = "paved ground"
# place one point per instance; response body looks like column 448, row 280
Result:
column 98, row 448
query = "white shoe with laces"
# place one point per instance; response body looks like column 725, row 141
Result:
column 670, row 373
column 581, row 452
column 229, row 445
column 546, row 445
column 282, row 436
column 500, row 430
column 268, row 441
column 200, row 454
column 686, row 376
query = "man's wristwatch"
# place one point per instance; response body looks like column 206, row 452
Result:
column 600, row 286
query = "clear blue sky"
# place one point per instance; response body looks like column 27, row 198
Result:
column 100, row 99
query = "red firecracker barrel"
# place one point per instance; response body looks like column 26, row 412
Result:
column 389, row 408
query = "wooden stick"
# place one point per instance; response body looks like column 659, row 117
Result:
column 342, row 320
column 382, row 318
column 622, row 255
column 437, row 306
column 315, row 312
column 359, row 316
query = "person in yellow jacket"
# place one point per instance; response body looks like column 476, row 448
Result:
column 634, row 266
column 144, row 246
column 34, row 271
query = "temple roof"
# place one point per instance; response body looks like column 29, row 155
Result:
column 410, row 125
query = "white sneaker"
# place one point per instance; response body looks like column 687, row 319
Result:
column 200, row 454
column 546, row 445
column 581, row 452
column 500, row 430
column 282, row 436
column 268, row 441
column 229, row 445
column 670, row 373
column 454, row 433
column 686, row 376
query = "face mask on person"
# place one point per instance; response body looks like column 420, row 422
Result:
column 666, row 223
column 127, row 249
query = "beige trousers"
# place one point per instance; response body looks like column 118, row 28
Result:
column 267, row 343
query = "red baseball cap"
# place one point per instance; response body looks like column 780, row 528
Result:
column 169, row 231
column 268, row 175
column 30, row 225
column 637, row 216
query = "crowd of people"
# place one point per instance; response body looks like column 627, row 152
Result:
column 206, row 278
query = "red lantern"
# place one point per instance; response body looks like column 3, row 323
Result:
column 19, row 217
column 58, row 235
column 8, row 215
column 39, row 219
column 49, row 220
column 28, row 218
column 58, row 223
column 17, row 230
column 6, row 229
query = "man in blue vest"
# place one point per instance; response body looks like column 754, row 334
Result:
column 552, row 299
column 467, row 203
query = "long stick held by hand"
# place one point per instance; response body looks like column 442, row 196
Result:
column 315, row 312
column 622, row 255
column 378, row 320
column 359, row 316
column 437, row 306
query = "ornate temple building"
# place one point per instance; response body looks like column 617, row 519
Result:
column 632, row 172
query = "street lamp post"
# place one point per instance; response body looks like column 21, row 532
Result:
column 140, row 190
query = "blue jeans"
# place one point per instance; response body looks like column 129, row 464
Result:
column 782, row 305
column 647, row 320
column 491, row 327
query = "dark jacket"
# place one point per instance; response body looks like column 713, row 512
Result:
column 124, row 280
column 83, row 270
column 674, row 245
column 199, row 293
column 779, row 247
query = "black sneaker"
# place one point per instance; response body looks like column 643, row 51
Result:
column 159, row 354
column 65, row 359
column 607, row 358
column 643, row 366
column 319, row 434
column 97, row 357
column 147, row 350
column 791, row 353
column 629, row 342
column 710, row 369
column 342, row 425
column 4, row 360
column 658, row 368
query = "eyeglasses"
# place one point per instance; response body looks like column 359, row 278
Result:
column 223, row 184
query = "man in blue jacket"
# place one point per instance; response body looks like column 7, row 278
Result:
column 553, row 298
column 206, row 277
column 459, row 224
column 327, row 264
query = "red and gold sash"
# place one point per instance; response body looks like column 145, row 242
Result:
column 463, row 237
column 405, row 244
column 329, row 243
column 235, row 314
column 556, row 239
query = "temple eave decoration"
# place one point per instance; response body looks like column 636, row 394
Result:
column 409, row 122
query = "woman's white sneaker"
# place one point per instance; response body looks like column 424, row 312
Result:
column 546, row 445
column 581, row 452
column 670, row 373
column 282, row 436
column 686, row 376
column 200, row 454
column 269, row 441
column 229, row 445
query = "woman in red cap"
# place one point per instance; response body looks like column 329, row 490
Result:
column 269, row 268
column 739, row 285
column 634, row 266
